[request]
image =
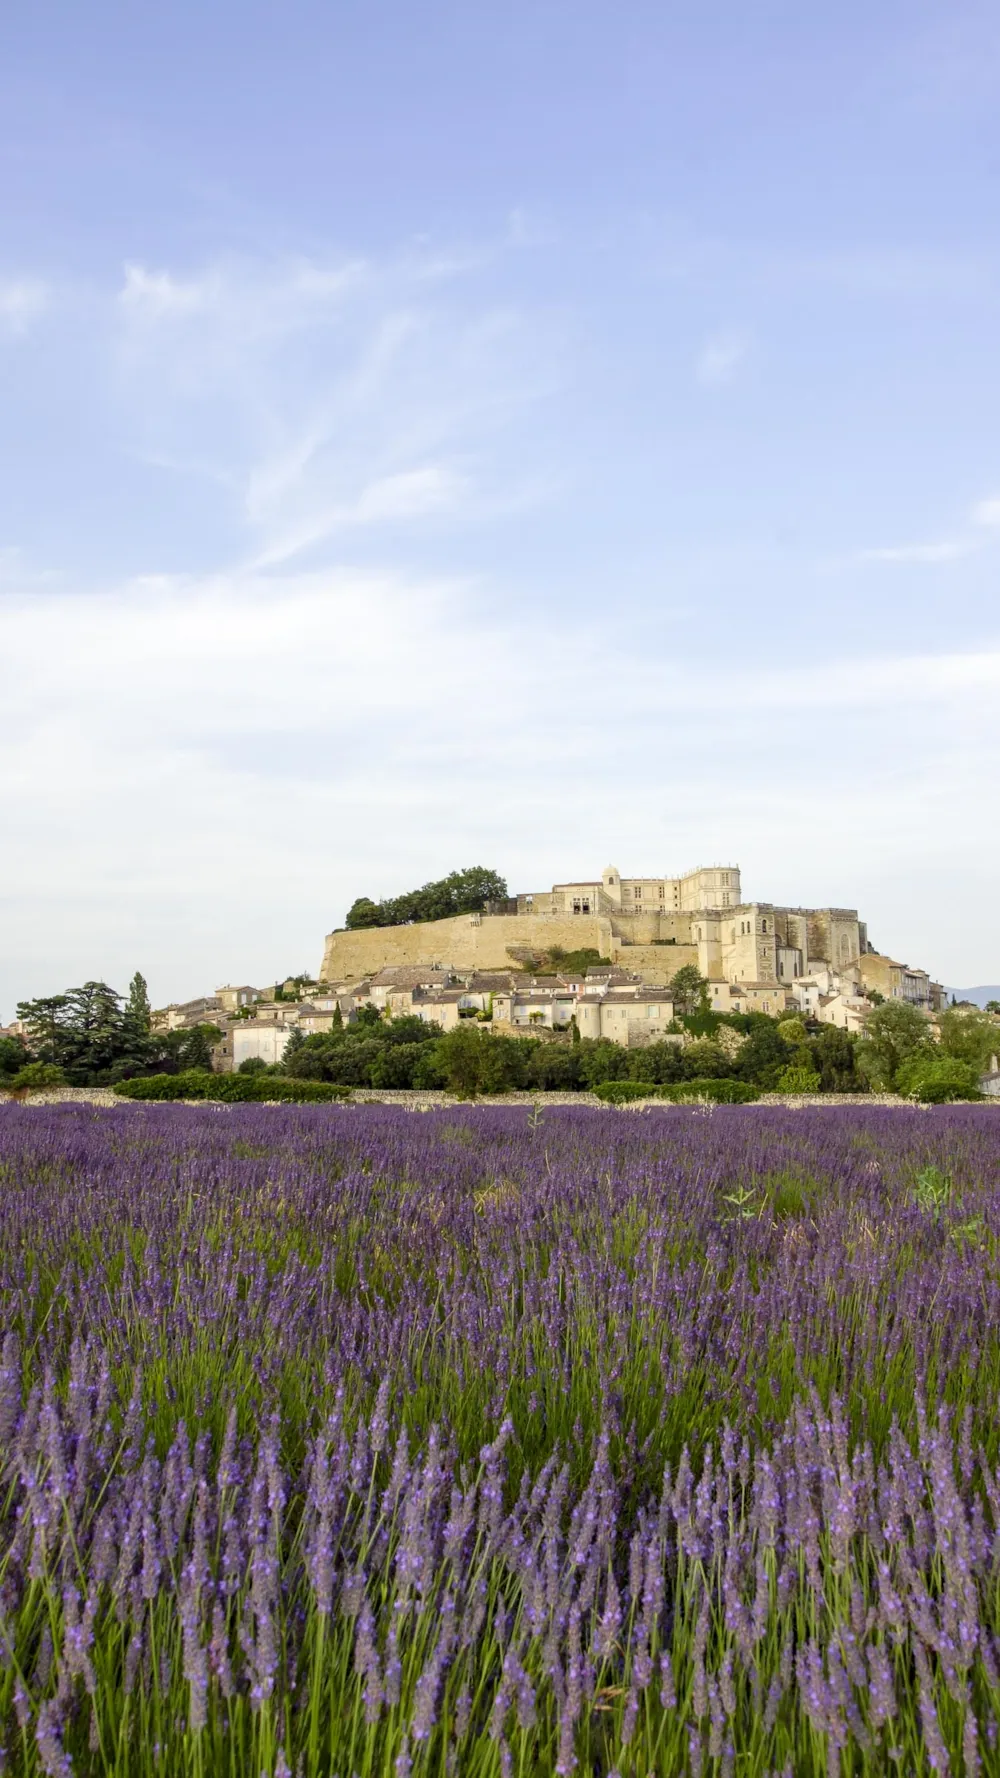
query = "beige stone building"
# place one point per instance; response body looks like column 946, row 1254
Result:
column 758, row 942
column 652, row 897
column 631, row 1015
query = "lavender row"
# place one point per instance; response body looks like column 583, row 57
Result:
column 378, row 1609
column 360, row 1441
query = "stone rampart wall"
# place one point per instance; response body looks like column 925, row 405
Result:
column 471, row 941
column 656, row 963
column 644, row 929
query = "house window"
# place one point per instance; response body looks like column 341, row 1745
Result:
column 576, row 904
column 663, row 893
column 586, row 907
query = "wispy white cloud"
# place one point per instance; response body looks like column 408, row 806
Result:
column 947, row 549
column 22, row 300
column 720, row 358
column 244, row 296
column 410, row 495
column 984, row 515
column 329, row 396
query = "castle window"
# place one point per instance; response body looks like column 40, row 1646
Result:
column 586, row 907
column 662, row 892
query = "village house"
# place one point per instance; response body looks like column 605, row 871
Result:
column 631, row 1014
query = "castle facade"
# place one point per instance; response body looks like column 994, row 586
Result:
column 651, row 925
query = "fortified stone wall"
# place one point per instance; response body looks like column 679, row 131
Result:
column 645, row 929
column 470, row 941
column 656, row 964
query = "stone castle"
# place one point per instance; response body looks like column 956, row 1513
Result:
column 652, row 926
column 516, row 967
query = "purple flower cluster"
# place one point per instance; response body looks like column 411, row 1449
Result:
column 366, row 1440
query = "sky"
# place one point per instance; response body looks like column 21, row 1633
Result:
column 537, row 435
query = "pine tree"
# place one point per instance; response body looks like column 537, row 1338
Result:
column 138, row 1011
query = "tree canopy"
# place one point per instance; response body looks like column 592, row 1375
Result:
column 894, row 1033
column 95, row 1036
column 462, row 892
column 689, row 990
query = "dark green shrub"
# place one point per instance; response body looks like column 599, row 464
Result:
column 625, row 1092
column 720, row 1092
column 231, row 1089
column 34, row 1077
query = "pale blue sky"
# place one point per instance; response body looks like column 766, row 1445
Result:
column 536, row 435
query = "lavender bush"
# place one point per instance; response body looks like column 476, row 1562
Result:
column 358, row 1441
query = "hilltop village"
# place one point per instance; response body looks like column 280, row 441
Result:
column 599, row 954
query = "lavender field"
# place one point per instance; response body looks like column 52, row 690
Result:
column 354, row 1440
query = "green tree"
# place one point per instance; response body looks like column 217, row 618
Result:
column 409, row 1028
column 798, row 1077
column 663, row 1063
column 396, row 1064
column 992, row 1006
column 13, row 1056
column 310, row 1058
column 34, row 1077
column 936, row 1078
column 364, row 912
column 461, row 1055
column 83, row 1032
column 763, row 1058
column 137, row 1008
column 705, row 1060
column 832, row 1054
column 462, row 892
column 893, row 1033
column 173, row 1052
column 600, row 1060
column 689, row 991
column 475, row 1061
column 195, row 1047
column 971, row 1037
column 555, row 1068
